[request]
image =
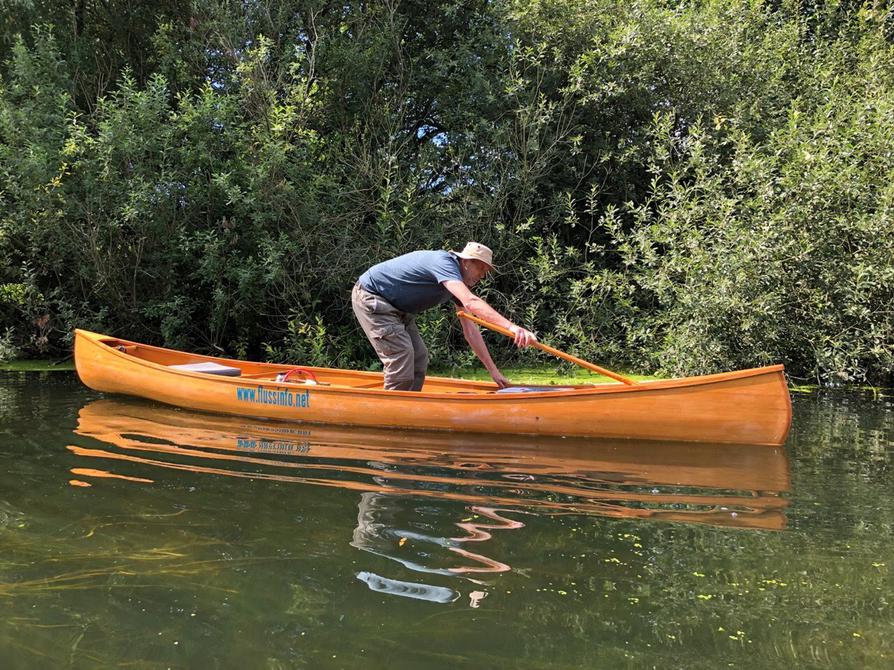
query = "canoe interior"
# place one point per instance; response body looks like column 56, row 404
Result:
column 349, row 379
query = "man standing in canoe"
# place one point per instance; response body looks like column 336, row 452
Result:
column 388, row 296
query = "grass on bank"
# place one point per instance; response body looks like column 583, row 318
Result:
column 543, row 375
column 537, row 376
column 65, row 365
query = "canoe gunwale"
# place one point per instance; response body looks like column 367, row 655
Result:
column 472, row 395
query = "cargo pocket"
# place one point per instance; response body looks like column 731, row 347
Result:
column 391, row 340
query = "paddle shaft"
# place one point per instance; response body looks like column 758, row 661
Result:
column 550, row 350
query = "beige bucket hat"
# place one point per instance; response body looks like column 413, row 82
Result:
column 478, row 252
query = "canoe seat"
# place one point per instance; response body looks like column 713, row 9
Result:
column 208, row 368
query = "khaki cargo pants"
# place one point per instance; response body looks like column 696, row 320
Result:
column 395, row 338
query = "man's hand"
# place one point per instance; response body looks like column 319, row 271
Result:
column 500, row 380
column 522, row 337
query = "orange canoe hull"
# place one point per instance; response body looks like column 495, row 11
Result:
column 743, row 407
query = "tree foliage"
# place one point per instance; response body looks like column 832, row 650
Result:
column 684, row 187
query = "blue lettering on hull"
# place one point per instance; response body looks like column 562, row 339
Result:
column 278, row 398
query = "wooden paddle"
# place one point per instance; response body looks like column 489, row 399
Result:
column 555, row 352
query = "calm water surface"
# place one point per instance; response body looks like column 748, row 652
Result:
column 140, row 536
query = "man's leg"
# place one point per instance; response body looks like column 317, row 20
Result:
column 388, row 335
column 395, row 349
column 420, row 356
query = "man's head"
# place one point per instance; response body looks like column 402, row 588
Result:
column 476, row 260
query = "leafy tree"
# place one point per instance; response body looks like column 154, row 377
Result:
column 675, row 186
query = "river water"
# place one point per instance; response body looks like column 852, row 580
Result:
column 140, row 536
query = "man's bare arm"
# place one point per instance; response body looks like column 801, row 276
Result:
column 478, row 307
column 477, row 344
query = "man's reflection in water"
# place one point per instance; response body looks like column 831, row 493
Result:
column 378, row 532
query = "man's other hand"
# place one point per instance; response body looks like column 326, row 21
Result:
column 500, row 379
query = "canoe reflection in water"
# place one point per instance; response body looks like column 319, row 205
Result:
column 499, row 480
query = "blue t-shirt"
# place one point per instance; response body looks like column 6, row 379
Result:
column 412, row 282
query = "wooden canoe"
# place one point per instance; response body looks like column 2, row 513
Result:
column 743, row 407
column 739, row 486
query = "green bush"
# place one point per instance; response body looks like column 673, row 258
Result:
column 685, row 187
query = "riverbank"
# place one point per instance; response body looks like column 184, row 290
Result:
column 547, row 374
column 65, row 365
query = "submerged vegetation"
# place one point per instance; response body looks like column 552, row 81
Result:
column 674, row 187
